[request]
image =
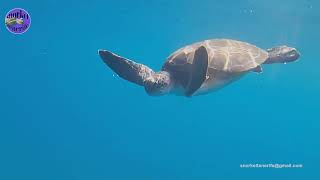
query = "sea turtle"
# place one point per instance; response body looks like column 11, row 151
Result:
column 199, row 68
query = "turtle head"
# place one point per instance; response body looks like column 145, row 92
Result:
column 283, row 54
column 289, row 54
column 158, row 84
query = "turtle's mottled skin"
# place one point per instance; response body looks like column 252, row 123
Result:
column 201, row 67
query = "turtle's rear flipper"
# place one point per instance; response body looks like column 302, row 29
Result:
column 257, row 69
column 125, row 68
column 198, row 70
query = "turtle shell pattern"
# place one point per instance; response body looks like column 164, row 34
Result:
column 227, row 60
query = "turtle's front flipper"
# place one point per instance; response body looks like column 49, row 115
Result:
column 198, row 70
column 125, row 68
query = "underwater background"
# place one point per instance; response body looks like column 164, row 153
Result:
column 64, row 115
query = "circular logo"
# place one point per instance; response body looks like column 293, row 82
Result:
column 17, row 21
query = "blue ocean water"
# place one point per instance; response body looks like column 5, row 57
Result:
column 63, row 115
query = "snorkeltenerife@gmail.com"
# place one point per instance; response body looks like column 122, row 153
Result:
column 271, row 165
